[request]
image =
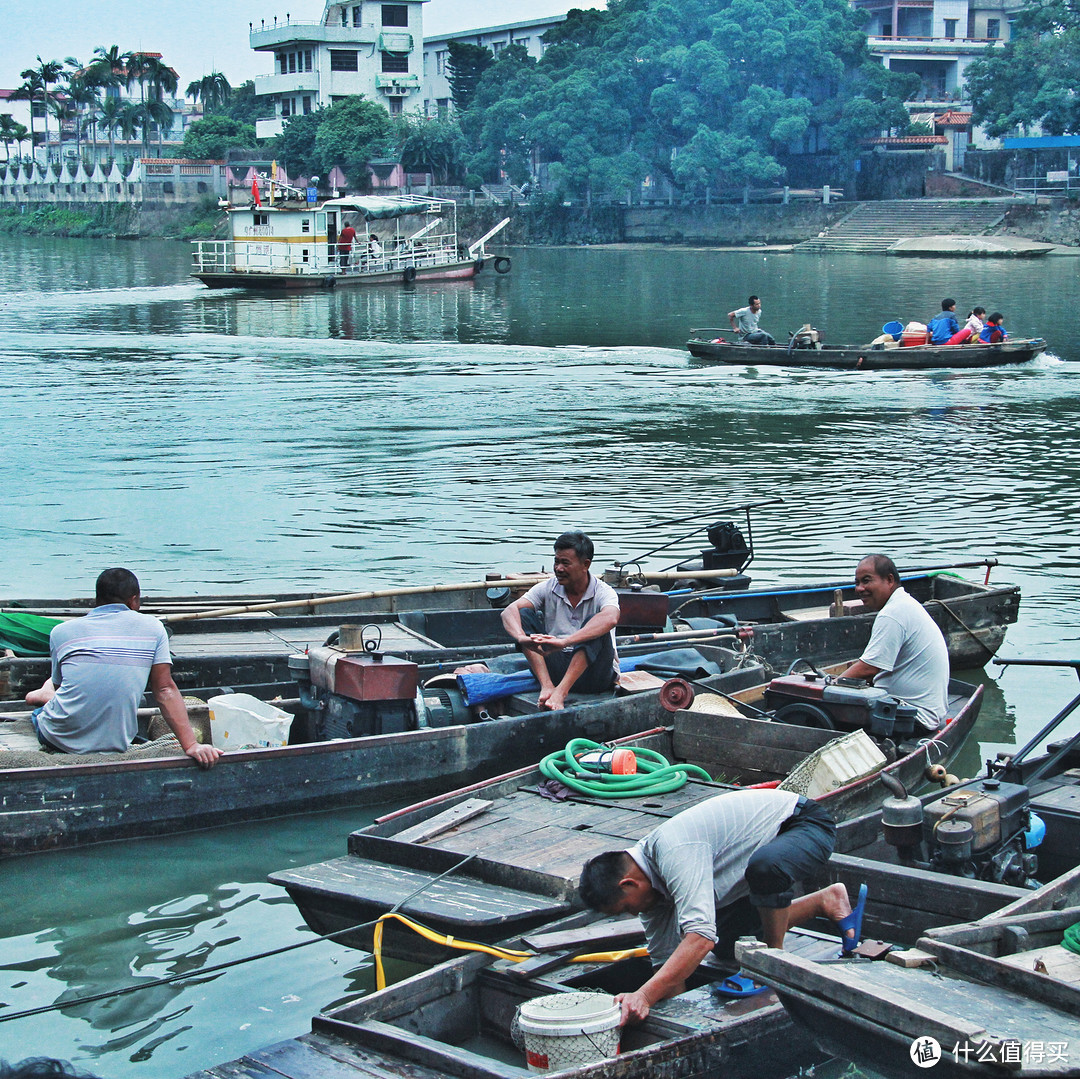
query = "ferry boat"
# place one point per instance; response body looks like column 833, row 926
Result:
column 295, row 245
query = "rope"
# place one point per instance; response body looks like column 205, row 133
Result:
column 655, row 775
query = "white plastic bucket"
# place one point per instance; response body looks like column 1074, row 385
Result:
column 241, row 721
column 569, row 1030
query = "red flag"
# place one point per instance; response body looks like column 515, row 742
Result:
column 255, row 190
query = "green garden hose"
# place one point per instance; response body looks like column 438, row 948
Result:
column 655, row 775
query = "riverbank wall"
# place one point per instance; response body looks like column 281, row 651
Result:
column 539, row 223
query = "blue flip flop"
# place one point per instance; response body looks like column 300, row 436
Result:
column 853, row 921
column 738, row 985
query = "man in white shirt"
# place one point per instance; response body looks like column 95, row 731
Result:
column 565, row 626
column 744, row 321
column 907, row 655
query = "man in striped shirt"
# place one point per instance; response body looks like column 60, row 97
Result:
column 725, row 868
column 100, row 665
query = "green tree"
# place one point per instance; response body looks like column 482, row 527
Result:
column 243, row 104
column 465, row 65
column 214, row 136
column 213, row 89
column 350, row 134
column 35, row 89
column 1032, row 79
column 7, row 133
column 708, row 93
column 295, row 146
column 430, row 145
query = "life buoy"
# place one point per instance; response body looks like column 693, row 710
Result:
column 409, row 274
column 502, row 264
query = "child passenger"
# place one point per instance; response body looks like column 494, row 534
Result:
column 994, row 330
column 971, row 329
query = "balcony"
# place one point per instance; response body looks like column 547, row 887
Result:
column 311, row 33
column 268, row 129
column 298, row 81
column 397, row 84
column 931, row 46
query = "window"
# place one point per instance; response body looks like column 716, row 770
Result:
column 395, row 15
column 392, row 62
column 305, row 224
column 396, row 105
column 307, row 59
column 950, row 28
column 344, row 15
column 993, row 29
column 523, row 42
column 442, row 104
column 440, row 62
column 260, row 219
column 304, row 256
column 283, row 63
column 286, row 107
column 356, row 15
column 292, row 62
column 340, row 60
column 497, row 47
column 307, row 104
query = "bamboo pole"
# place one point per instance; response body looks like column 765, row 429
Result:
column 417, row 590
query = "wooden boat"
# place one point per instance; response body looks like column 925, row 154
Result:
column 778, row 624
column 710, row 343
column 294, row 245
column 527, row 851
column 53, row 801
column 977, row 985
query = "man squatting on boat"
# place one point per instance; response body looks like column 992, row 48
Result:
column 907, row 655
column 565, row 626
column 100, row 665
column 725, row 868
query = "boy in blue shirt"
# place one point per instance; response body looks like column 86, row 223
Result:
column 945, row 325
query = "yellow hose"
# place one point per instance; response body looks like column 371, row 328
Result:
column 472, row 946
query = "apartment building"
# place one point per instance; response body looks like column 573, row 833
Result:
column 529, row 32
column 936, row 40
column 366, row 47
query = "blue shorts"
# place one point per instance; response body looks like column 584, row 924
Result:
column 42, row 740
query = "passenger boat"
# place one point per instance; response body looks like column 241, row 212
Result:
column 526, row 851
column 980, row 988
column 715, row 345
column 295, row 245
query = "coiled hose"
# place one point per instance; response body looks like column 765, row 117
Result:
column 655, row 774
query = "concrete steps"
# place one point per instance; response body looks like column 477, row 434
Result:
column 876, row 226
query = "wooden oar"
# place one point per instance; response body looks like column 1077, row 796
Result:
column 418, row 590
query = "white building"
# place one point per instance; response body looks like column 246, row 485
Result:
column 365, row 47
column 936, row 39
column 437, row 95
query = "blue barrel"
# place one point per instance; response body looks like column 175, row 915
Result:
column 895, row 328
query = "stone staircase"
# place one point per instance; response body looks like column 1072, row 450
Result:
column 876, row 226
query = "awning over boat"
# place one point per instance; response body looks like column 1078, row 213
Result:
column 381, row 207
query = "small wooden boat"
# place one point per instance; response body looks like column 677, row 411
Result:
column 980, row 987
column 400, row 239
column 715, row 345
column 343, row 753
column 819, row 622
column 527, row 851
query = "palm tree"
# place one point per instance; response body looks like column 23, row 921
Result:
column 159, row 114
column 36, row 87
column 214, row 89
column 109, row 66
column 130, row 119
column 108, row 116
column 20, row 134
column 7, row 134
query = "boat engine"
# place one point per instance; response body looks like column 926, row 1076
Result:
column 814, row 699
column 353, row 690
column 807, row 337
column 985, row 831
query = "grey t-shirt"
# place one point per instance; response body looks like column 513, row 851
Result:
column 696, row 861
column 747, row 320
column 100, row 664
column 560, row 618
column 909, row 650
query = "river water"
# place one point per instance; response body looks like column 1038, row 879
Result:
column 221, row 441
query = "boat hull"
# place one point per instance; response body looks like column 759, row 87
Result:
column 280, row 282
column 864, row 358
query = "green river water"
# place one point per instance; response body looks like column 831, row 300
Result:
column 221, row 441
